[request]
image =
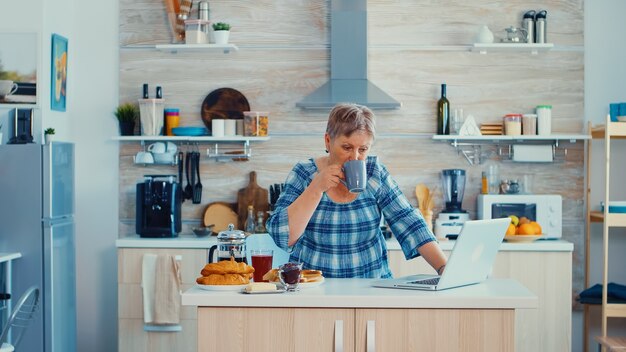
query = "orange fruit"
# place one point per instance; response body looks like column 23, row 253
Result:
column 524, row 220
column 526, row 229
column 511, row 230
column 538, row 230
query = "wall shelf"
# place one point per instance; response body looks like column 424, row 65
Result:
column 174, row 48
column 220, row 153
column 471, row 146
column 191, row 139
column 533, row 48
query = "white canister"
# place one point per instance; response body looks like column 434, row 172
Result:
column 230, row 127
column 544, row 120
column 217, row 128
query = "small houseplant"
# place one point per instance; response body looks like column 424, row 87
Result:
column 48, row 133
column 127, row 114
column 221, row 32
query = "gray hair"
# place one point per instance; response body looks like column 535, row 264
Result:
column 347, row 118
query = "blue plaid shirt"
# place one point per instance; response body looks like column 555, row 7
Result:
column 344, row 239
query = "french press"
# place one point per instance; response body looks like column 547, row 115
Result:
column 230, row 243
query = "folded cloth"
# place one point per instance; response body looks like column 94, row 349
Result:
column 593, row 295
column 167, row 294
column 161, row 283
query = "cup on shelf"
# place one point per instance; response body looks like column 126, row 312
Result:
column 230, row 128
column 217, row 127
column 144, row 158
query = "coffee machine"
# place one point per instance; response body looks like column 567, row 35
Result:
column 450, row 221
column 158, row 206
column 22, row 131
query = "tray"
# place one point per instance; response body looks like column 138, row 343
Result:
column 223, row 103
column 221, row 287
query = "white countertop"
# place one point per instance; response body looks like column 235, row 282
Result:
column 358, row 293
column 191, row 241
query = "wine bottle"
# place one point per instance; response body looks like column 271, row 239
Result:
column 443, row 113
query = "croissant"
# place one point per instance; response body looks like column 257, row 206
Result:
column 307, row 275
column 227, row 267
column 223, row 279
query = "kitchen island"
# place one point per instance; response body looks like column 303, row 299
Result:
column 544, row 267
column 350, row 315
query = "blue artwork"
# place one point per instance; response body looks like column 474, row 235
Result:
column 58, row 80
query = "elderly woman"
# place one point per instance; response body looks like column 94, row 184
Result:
column 328, row 228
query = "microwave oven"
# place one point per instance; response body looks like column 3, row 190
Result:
column 545, row 209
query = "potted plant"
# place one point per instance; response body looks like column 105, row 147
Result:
column 127, row 114
column 221, row 32
column 48, row 134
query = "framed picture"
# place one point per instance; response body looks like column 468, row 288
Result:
column 18, row 68
column 58, row 81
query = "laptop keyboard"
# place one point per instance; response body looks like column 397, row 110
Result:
column 431, row 281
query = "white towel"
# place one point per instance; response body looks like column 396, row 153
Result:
column 161, row 283
column 148, row 270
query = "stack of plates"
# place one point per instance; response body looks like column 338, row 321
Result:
column 189, row 131
column 491, row 129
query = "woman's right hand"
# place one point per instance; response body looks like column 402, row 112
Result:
column 327, row 178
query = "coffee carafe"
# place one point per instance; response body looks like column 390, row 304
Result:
column 230, row 243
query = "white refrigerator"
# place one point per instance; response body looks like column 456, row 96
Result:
column 37, row 220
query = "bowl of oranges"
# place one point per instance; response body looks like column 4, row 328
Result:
column 522, row 229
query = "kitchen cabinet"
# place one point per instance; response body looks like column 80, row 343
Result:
column 547, row 273
column 132, row 337
column 330, row 329
column 275, row 329
column 351, row 315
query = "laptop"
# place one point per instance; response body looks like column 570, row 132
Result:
column 469, row 263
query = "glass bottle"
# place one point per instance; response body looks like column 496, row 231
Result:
column 443, row 113
column 260, row 227
column 250, row 220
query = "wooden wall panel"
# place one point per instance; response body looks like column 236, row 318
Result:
column 414, row 47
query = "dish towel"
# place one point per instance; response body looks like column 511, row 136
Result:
column 161, row 283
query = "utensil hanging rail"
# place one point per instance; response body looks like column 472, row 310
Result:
column 241, row 151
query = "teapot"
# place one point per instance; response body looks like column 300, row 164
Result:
column 230, row 243
column 515, row 35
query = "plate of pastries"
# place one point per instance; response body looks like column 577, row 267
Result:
column 308, row 277
column 226, row 275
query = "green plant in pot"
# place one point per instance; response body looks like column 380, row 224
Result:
column 127, row 114
column 48, row 134
column 221, row 32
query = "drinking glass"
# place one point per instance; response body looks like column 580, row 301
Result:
column 289, row 275
column 261, row 262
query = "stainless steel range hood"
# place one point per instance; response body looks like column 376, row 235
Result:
column 348, row 62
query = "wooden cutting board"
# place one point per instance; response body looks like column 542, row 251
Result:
column 219, row 214
column 252, row 195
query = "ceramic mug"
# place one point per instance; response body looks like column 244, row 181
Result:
column 144, row 158
column 7, row 87
column 161, row 147
column 355, row 172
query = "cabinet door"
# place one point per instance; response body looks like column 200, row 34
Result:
column 274, row 329
column 434, row 330
column 132, row 336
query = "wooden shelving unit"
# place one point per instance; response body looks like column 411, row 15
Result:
column 608, row 132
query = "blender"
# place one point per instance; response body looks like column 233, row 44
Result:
column 450, row 221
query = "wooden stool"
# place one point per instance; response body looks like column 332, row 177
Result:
column 612, row 344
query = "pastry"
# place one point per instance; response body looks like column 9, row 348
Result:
column 224, row 279
column 307, row 275
column 227, row 267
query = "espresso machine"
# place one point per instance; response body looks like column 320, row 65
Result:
column 450, row 221
column 158, row 206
